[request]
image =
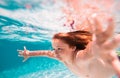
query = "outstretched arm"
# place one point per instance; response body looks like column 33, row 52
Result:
column 105, row 43
column 26, row 53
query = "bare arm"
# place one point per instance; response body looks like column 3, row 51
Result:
column 41, row 53
column 26, row 53
column 116, row 65
column 105, row 43
column 114, row 62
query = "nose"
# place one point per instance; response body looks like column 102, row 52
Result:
column 56, row 52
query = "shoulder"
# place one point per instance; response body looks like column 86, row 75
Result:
column 84, row 55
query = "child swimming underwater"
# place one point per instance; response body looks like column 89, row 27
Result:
column 86, row 54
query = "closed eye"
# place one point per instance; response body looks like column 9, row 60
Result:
column 60, row 49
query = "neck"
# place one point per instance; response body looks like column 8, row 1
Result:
column 70, row 59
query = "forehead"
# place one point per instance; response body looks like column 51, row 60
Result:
column 60, row 43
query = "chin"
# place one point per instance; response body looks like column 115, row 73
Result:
column 59, row 58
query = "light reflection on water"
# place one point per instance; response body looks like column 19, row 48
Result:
column 31, row 21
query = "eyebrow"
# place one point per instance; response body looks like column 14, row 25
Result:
column 60, row 46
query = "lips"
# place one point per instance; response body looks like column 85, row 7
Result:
column 58, row 56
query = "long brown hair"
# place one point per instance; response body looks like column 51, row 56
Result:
column 77, row 38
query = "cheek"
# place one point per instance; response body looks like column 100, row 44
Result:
column 61, row 53
column 64, row 52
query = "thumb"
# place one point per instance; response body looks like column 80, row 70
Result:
column 25, row 58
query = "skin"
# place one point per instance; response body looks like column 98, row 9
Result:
column 98, row 60
column 84, row 64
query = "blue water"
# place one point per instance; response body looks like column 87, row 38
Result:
column 11, row 66
column 28, row 23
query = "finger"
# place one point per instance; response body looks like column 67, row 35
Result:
column 104, row 36
column 90, row 25
column 112, row 44
column 24, row 48
column 96, row 29
column 20, row 55
column 110, row 29
column 97, row 26
column 19, row 50
column 25, row 58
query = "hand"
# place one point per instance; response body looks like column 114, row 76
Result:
column 104, row 41
column 24, row 53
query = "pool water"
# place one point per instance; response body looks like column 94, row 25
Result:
column 11, row 65
column 30, row 23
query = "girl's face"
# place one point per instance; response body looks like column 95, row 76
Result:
column 61, row 49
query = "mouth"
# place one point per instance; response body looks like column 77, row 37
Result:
column 58, row 56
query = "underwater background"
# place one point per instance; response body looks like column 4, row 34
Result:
column 31, row 23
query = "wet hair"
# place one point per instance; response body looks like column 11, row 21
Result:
column 80, row 39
